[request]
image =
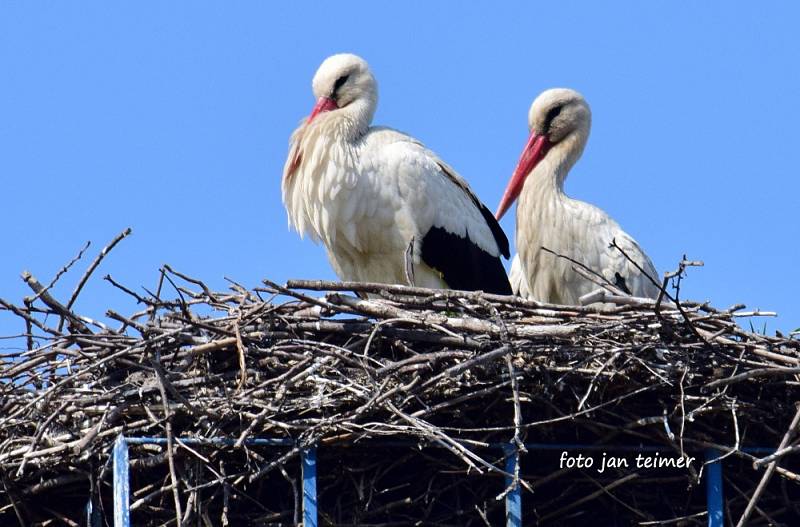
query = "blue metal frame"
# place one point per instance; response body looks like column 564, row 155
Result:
column 514, row 496
column 308, row 461
column 714, row 498
column 122, row 484
column 122, row 480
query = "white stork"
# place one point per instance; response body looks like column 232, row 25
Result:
column 549, row 221
column 386, row 208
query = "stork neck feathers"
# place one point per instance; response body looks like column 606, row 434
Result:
column 549, row 175
column 349, row 123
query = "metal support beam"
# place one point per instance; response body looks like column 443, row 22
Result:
column 122, row 484
column 309, row 468
column 121, row 476
column 122, row 481
column 514, row 496
column 714, row 499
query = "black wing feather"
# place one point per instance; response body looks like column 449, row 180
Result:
column 463, row 264
column 497, row 231
column 620, row 282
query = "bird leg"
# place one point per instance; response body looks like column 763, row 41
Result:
column 409, row 262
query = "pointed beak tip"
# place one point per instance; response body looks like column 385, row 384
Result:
column 535, row 149
column 324, row 104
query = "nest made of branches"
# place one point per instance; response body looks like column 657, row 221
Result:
column 407, row 394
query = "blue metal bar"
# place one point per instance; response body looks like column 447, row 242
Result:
column 578, row 446
column 308, row 457
column 122, row 484
column 528, row 446
column 637, row 448
column 714, row 499
column 214, row 441
column 514, row 496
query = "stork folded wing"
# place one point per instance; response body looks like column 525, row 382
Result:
column 462, row 264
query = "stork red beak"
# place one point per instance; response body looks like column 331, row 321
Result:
column 324, row 104
column 535, row 149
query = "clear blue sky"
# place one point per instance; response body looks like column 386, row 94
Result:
column 173, row 118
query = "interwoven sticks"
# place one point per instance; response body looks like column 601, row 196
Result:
column 368, row 372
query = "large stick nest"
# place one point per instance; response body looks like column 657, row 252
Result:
column 407, row 392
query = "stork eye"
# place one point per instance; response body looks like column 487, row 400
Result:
column 552, row 114
column 339, row 82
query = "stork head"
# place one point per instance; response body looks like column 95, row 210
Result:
column 557, row 116
column 344, row 81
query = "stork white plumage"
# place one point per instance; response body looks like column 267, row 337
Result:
column 549, row 221
column 379, row 200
